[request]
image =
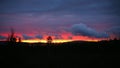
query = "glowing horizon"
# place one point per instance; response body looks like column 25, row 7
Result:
column 55, row 41
column 45, row 41
column 61, row 39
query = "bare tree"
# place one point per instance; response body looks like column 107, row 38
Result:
column 11, row 37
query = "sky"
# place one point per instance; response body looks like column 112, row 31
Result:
column 61, row 19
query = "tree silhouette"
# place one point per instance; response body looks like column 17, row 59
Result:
column 11, row 37
column 49, row 39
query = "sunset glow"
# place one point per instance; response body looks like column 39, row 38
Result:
column 56, row 41
column 63, row 20
column 44, row 41
column 65, row 37
column 59, row 33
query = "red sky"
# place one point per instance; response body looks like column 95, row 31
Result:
column 61, row 19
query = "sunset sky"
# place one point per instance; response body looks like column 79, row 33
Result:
column 61, row 19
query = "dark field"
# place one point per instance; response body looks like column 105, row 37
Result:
column 65, row 55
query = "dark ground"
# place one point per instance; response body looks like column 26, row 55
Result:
column 65, row 55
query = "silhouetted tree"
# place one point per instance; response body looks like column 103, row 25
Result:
column 11, row 37
column 49, row 39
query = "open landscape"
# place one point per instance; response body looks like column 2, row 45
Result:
column 74, row 54
column 59, row 33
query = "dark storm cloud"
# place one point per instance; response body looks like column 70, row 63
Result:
column 82, row 29
column 27, row 37
column 88, row 10
column 39, row 36
column 61, row 6
column 10, row 6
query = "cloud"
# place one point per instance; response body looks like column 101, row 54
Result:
column 2, row 37
column 40, row 14
column 41, row 6
column 39, row 36
column 82, row 29
column 58, row 36
column 115, row 31
column 27, row 37
column 27, row 5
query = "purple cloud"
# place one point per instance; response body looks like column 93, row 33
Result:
column 82, row 29
column 39, row 36
column 2, row 37
column 27, row 37
column 114, row 31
